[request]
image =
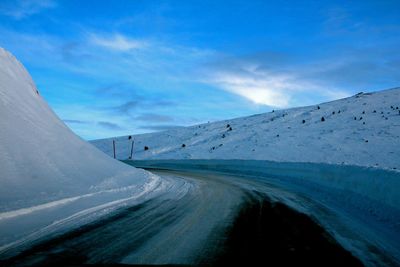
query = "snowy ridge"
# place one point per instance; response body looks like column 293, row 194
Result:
column 47, row 173
column 360, row 130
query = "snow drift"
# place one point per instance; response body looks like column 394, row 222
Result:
column 48, row 175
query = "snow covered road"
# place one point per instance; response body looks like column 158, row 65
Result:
column 195, row 217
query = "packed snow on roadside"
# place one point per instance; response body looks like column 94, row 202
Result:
column 360, row 130
column 50, row 179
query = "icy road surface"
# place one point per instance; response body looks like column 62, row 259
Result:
column 191, row 222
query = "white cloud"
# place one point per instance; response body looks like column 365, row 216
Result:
column 273, row 89
column 24, row 8
column 117, row 42
column 266, row 90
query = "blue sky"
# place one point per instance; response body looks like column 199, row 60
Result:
column 112, row 68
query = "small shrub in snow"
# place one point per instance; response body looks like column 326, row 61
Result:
column 228, row 125
column 277, row 135
column 364, row 122
column 333, row 112
column 230, row 129
column 374, row 111
column 366, row 141
column 129, row 137
column 338, row 111
column 223, row 136
column 363, row 112
column 304, row 121
column 355, row 118
column 360, row 118
column 318, row 107
column 183, row 145
column 146, row 148
column 322, row 119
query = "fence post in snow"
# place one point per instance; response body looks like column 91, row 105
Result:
column 132, row 150
column 114, row 147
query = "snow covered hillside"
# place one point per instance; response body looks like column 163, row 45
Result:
column 48, row 175
column 360, row 130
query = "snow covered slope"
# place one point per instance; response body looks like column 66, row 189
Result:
column 360, row 130
column 47, row 173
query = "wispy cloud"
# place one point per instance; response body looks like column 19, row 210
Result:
column 109, row 125
column 117, row 42
column 139, row 103
column 75, row 121
column 21, row 9
column 126, row 107
column 270, row 87
column 264, row 89
column 160, row 127
column 151, row 117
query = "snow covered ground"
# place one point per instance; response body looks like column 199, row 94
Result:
column 50, row 179
column 360, row 130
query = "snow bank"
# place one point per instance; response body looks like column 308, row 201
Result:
column 361, row 130
column 47, row 173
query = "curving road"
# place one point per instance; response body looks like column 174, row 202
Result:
column 206, row 218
